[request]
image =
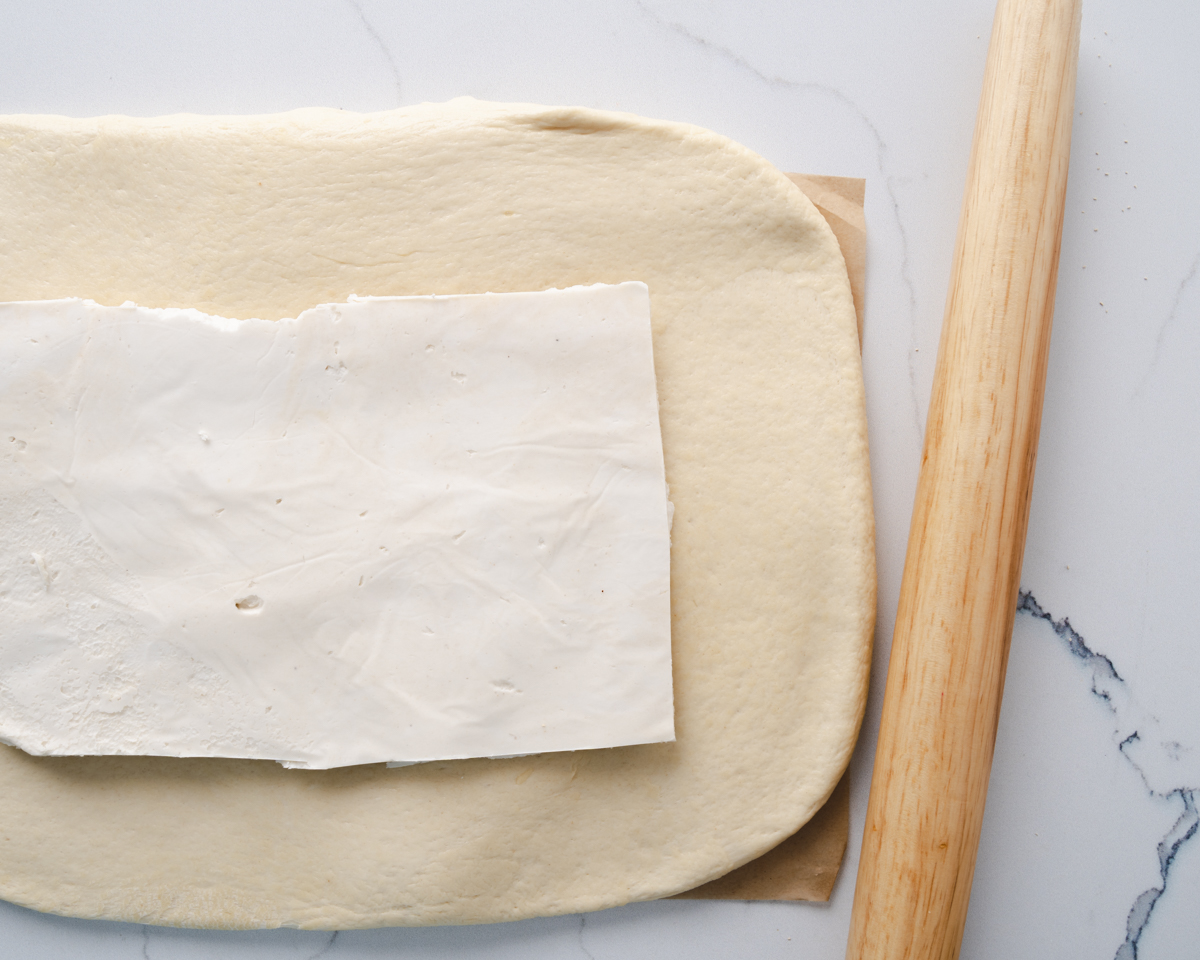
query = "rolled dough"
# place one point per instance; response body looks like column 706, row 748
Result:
column 760, row 387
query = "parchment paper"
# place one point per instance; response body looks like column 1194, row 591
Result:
column 806, row 864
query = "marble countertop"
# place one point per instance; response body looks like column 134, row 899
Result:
column 1090, row 845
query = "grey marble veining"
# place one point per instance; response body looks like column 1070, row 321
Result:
column 1091, row 846
column 383, row 49
column 1139, row 737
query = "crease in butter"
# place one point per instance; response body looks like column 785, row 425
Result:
column 396, row 529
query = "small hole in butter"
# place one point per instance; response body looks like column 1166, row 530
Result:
column 250, row 604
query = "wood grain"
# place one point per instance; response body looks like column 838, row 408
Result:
column 962, row 570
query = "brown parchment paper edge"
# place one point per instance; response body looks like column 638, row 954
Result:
column 806, row 864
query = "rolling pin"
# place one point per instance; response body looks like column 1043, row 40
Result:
column 958, row 595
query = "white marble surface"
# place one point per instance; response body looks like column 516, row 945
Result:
column 1093, row 805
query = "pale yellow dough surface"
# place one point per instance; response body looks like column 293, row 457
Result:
column 773, row 584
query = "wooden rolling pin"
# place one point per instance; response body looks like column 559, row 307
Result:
column 962, row 571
